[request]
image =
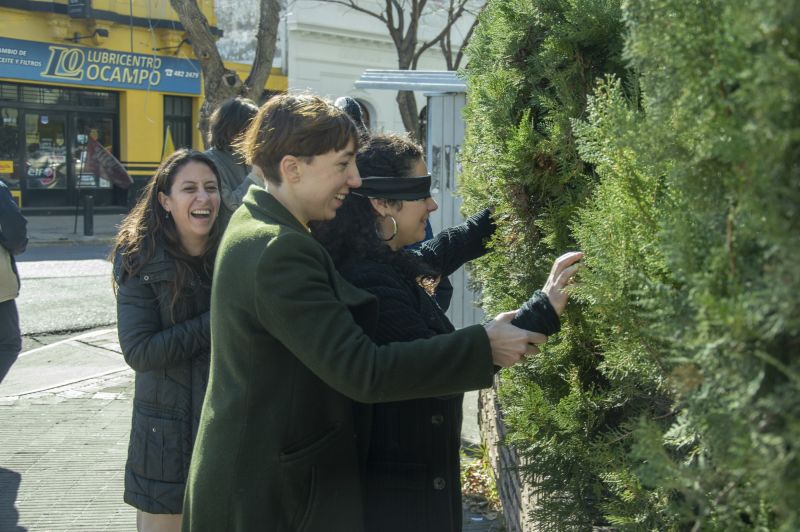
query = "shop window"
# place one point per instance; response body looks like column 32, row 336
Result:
column 93, row 132
column 8, row 92
column 9, row 143
column 105, row 100
column 178, row 117
column 44, row 95
column 45, row 150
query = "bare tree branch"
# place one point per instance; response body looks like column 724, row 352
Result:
column 402, row 19
column 453, row 16
column 356, row 7
column 467, row 38
column 453, row 63
column 447, row 51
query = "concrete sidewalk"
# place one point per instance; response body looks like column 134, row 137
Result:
column 64, row 435
column 44, row 230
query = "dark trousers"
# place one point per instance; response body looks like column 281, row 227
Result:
column 10, row 340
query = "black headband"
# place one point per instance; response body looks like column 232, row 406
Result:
column 395, row 188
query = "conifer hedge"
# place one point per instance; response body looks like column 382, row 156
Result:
column 662, row 137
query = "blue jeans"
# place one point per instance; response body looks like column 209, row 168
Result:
column 10, row 339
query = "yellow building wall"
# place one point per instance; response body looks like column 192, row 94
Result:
column 141, row 117
column 141, row 113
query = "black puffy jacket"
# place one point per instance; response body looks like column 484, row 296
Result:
column 171, row 362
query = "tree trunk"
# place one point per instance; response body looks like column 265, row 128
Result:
column 266, row 37
column 408, row 111
column 219, row 82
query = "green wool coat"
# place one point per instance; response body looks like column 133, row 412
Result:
column 276, row 448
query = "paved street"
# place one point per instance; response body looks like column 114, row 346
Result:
column 64, row 296
column 65, row 405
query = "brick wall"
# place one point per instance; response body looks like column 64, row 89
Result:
column 515, row 495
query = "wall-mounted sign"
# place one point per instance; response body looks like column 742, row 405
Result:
column 78, row 65
column 6, row 167
column 79, row 8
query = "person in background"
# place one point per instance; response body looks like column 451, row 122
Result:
column 227, row 122
column 413, row 457
column 13, row 241
column 277, row 448
column 353, row 109
column 163, row 261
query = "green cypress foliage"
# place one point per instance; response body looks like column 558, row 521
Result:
column 662, row 137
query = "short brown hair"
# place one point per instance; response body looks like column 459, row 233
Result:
column 302, row 125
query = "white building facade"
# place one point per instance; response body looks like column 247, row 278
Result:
column 329, row 47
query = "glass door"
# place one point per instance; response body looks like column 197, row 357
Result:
column 91, row 134
column 45, row 150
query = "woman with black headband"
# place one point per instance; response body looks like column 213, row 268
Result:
column 412, row 447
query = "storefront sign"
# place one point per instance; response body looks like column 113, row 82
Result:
column 77, row 65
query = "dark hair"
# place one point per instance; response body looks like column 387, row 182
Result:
column 353, row 109
column 301, row 125
column 352, row 235
column 388, row 155
column 228, row 121
column 147, row 225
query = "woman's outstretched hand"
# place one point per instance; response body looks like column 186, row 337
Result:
column 563, row 269
column 510, row 343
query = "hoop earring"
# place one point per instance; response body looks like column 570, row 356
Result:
column 394, row 232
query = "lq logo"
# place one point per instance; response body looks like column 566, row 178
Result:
column 65, row 63
column 104, row 66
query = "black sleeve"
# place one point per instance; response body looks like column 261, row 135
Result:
column 13, row 226
column 145, row 343
column 538, row 315
column 453, row 247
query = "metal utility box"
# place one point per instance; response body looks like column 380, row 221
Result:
column 446, row 96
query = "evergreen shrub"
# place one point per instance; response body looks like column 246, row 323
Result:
column 662, row 137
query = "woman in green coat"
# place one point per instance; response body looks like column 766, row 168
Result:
column 276, row 448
